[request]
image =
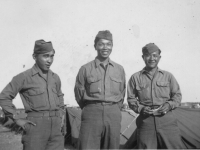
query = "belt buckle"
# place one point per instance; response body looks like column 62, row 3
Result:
column 103, row 103
column 107, row 103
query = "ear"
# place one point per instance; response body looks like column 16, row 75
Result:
column 34, row 56
column 95, row 47
column 143, row 57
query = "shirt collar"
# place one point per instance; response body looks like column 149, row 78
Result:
column 97, row 62
column 158, row 70
column 36, row 70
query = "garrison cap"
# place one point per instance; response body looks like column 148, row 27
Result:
column 42, row 47
column 150, row 48
column 103, row 35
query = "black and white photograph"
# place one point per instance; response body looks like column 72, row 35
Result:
column 109, row 74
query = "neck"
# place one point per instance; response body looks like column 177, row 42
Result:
column 151, row 70
column 44, row 72
column 103, row 60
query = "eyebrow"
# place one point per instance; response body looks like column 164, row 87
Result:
column 48, row 55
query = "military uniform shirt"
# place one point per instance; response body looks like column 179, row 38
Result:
column 36, row 92
column 96, row 83
column 144, row 90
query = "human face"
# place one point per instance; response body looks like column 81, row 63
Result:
column 151, row 60
column 44, row 61
column 104, row 48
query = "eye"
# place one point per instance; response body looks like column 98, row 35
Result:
column 109, row 44
column 45, row 56
column 100, row 44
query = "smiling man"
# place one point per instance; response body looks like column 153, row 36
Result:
column 99, row 91
column 40, row 91
column 154, row 94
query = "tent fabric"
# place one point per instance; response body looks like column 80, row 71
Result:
column 188, row 121
column 189, row 125
column 128, row 125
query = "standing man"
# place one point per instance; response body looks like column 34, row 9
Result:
column 99, row 91
column 154, row 93
column 40, row 91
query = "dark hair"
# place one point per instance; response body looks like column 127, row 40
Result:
column 95, row 41
column 159, row 51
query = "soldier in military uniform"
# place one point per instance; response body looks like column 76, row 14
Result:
column 40, row 91
column 154, row 94
column 99, row 91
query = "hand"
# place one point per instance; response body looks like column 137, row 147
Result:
column 22, row 122
column 146, row 110
column 165, row 108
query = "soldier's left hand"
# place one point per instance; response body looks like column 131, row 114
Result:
column 165, row 108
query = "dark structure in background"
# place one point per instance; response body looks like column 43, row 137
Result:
column 187, row 115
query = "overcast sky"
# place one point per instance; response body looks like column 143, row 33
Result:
column 71, row 25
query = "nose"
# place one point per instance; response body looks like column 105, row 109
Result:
column 152, row 57
column 50, row 60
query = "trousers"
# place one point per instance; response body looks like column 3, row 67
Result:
column 100, row 127
column 158, row 132
column 46, row 135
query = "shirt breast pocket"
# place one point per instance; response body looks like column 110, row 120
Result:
column 163, row 89
column 94, row 85
column 115, row 85
column 143, row 92
column 36, row 97
column 55, row 95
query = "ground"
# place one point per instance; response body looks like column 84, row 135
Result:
column 12, row 141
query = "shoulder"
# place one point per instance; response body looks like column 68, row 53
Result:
column 89, row 64
column 87, row 67
column 21, row 77
column 118, row 66
column 23, row 74
column 55, row 76
column 166, row 73
column 136, row 74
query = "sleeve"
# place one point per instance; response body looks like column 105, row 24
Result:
column 132, row 96
column 175, row 93
column 79, row 88
column 123, row 87
column 9, row 93
column 60, row 95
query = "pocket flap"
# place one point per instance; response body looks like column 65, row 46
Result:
column 32, row 92
column 116, row 79
column 162, row 83
column 92, row 80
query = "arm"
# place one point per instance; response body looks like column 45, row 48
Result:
column 79, row 88
column 6, row 97
column 123, row 88
column 9, row 93
column 175, row 94
column 60, row 96
column 132, row 96
column 175, row 97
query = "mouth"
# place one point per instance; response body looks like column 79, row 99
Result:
column 48, row 66
column 105, row 52
column 152, row 62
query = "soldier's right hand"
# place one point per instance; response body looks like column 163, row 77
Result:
column 146, row 111
column 23, row 122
